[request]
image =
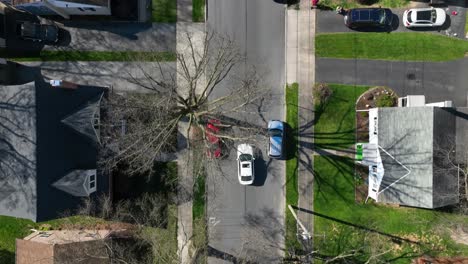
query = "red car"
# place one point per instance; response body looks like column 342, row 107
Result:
column 212, row 128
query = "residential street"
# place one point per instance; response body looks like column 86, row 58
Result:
column 247, row 222
column 438, row 81
column 118, row 36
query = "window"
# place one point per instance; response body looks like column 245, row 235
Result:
column 92, row 183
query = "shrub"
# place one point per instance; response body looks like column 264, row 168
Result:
column 366, row 2
column 322, row 92
column 385, row 100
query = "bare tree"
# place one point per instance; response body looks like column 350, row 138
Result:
column 205, row 84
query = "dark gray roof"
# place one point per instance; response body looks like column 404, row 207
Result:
column 37, row 149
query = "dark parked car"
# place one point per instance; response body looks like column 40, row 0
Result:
column 48, row 34
column 368, row 18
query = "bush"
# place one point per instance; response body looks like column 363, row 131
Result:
column 322, row 93
column 366, row 2
column 385, row 100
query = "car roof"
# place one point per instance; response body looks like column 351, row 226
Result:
column 366, row 14
column 246, row 171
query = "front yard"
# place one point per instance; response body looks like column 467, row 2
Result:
column 393, row 46
column 354, row 3
column 358, row 231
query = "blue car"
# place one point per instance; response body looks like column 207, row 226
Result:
column 276, row 133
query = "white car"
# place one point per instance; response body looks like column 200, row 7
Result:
column 245, row 164
column 424, row 17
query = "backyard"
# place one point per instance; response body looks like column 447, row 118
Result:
column 357, row 230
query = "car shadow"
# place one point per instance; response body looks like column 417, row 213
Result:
column 290, row 142
column 261, row 168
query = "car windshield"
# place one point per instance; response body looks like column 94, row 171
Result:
column 246, row 178
column 433, row 16
column 409, row 16
column 275, row 132
column 245, row 157
column 383, row 16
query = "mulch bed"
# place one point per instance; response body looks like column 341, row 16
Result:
column 366, row 101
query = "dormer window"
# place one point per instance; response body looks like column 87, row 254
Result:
column 92, row 183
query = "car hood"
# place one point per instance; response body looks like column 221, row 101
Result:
column 441, row 16
column 275, row 124
column 276, row 144
column 244, row 149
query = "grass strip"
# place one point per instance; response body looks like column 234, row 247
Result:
column 466, row 24
column 292, row 193
column 335, row 120
column 393, row 46
column 164, row 11
column 52, row 55
column 198, row 11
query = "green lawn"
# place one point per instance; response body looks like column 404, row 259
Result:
column 291, row 168
column 198, row 11
column 49, row 55
column 336, row 119
column 353, row 3
column 164, row 11
column 334, row 198
column 466, row 24
column 390, row 46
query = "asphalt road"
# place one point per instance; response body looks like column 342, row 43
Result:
column 247, row 222
column 330, row 22
column 438, row 81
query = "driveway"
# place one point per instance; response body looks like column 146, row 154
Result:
column 438, row 81
column 113, row 74
column 117, row 36
column 247, row 222
column 330, row 22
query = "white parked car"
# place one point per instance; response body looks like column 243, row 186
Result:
column 245, row 164
column 424, row 17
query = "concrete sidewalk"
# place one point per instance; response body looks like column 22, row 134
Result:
column 184, row 165
column 300, row 50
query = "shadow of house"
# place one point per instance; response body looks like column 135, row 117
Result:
column 407, row 155
column 48, row 149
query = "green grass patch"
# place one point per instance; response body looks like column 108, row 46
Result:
column 198, row 11
column 334, row 198
column 291, row 168
column 335, row 126
column 164, row 11
column 466, row 24
column 59, row 55
column 390, row 46
column 200, row 232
